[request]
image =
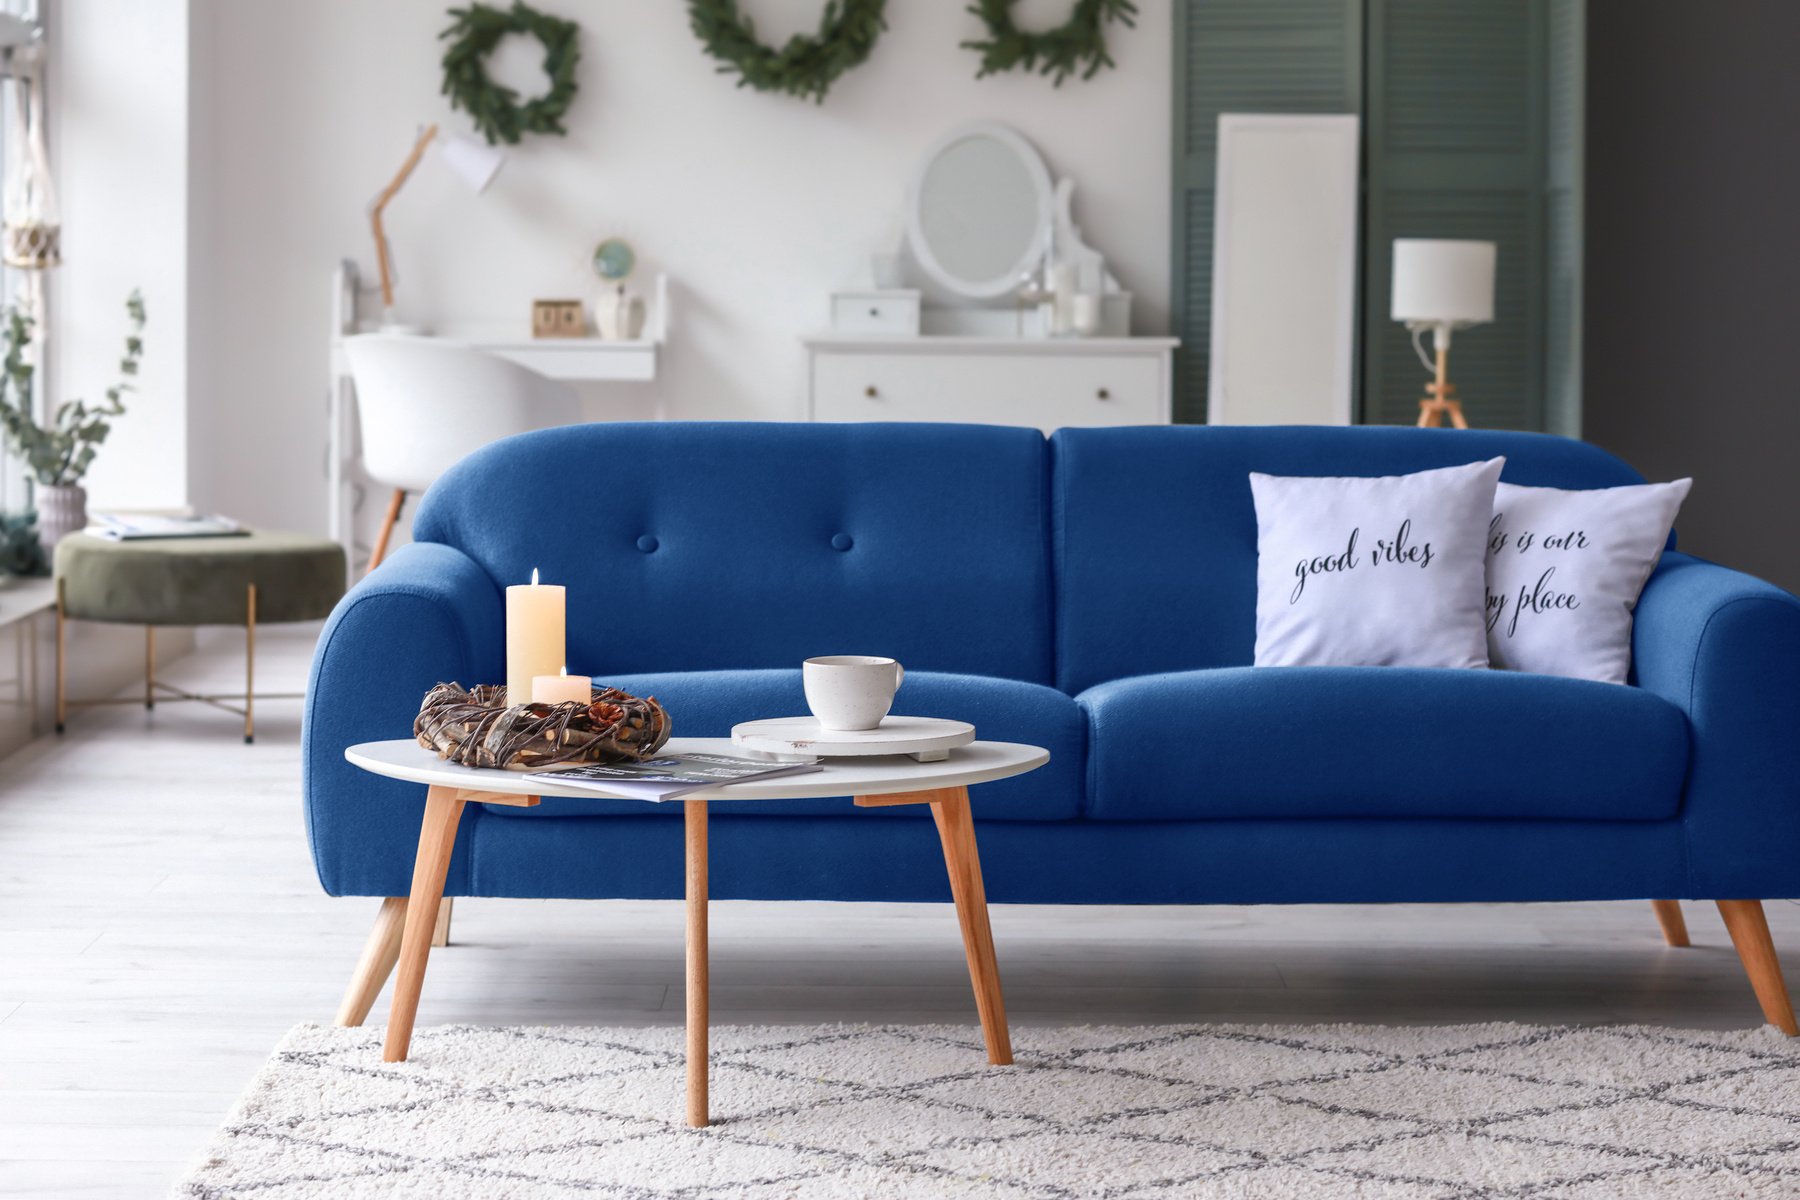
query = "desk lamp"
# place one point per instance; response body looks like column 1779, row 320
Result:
column 1442, row 286
column 472, row 160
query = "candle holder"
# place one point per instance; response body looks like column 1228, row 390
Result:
column 476, row 728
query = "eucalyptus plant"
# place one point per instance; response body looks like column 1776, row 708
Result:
column 59, row 451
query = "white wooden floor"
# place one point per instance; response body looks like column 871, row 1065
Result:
column 160, row 927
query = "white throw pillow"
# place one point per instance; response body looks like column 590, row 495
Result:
column 1564, row 572
column 1360, row 572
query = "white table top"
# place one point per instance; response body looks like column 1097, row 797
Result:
column 978, row 762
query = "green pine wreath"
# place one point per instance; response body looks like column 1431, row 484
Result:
column 1059, row 52
column 805, row 67
column 496, row 110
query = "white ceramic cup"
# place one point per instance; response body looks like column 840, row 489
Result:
column 850, row 691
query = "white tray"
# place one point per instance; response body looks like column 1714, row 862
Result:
column 927, row 739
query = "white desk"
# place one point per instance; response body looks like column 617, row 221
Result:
column 574, row 360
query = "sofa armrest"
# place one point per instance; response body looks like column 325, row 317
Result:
column 1725, row 649
column 429, row 615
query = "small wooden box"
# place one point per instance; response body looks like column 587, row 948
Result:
column 557, row 319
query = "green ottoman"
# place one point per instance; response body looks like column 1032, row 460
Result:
column 268, row 577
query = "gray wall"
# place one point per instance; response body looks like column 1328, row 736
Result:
column 1692, row 316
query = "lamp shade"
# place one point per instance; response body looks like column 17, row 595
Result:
column 1443, row 282
column 474, row 161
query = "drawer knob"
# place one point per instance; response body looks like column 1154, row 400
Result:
column 869, row 391
column 874, row 312
column 1104, row 394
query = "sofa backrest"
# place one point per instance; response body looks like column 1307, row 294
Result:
column 1154, row 529
column 696, row 545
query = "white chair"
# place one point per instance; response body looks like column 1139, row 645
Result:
column 423, row 403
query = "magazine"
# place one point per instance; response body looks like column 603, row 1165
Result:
column 132, row 527
column 671, row 776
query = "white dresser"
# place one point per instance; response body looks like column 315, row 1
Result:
column 1044, row 382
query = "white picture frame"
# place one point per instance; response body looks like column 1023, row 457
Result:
column 1284, row 270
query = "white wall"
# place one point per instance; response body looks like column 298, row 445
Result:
column 119, row 104
column 756, row 205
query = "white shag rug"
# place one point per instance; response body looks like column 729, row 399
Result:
column 1128, row 1113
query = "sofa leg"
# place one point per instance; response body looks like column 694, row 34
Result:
column 440, row 933
column 1674, row 925
column 1750, row 934
column 379, row 955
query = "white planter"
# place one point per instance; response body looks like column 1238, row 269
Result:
column 61, row 510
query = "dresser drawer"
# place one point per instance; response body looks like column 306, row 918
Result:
column 1042, row 389
column 890, row 312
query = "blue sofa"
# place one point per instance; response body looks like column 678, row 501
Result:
column 1093, row 593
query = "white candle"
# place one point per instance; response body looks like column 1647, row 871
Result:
column 535, row 614
column 1086, row 314
column 560, row 689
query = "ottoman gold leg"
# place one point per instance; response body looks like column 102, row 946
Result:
column 62, row 678
column 250, row 665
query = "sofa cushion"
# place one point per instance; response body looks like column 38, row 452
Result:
column 1347, row 742
column 1155, row 532
column 699, row 546
column 709, row 703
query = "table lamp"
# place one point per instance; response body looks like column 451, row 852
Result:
column 470, row 159
column 1442, row 286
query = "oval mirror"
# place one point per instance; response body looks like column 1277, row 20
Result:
column 978, row 216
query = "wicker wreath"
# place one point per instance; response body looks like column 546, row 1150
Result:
column 476, row 729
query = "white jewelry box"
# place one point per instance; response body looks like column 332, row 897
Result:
column 883, row 311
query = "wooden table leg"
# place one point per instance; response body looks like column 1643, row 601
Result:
column 956, row 828
column 437, row 838
column 697, row 1016
column 379, row 955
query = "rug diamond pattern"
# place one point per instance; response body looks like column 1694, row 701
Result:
column 1493, row 1112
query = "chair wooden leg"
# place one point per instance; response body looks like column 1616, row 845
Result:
column 149, row 666
column 1749, row 930
column 1674, row 925
column 437, row 839
column 379, row 954
column 440, row 933
column 388, row 522
column 956, row 828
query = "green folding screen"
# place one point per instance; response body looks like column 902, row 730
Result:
column 1471, row 127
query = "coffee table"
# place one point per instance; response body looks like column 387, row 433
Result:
column 873, row 782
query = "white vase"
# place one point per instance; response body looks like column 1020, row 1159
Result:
column 619, row 317
column 61, row 510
